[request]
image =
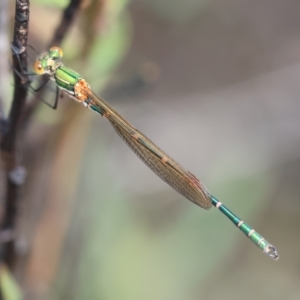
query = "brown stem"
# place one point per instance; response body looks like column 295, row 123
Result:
column 14, row 171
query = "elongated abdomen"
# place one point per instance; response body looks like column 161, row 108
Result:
column 162, row 165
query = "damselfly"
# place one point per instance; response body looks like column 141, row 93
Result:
column 157, row 160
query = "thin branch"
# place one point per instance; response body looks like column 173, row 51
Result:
column 68, row 17
column 15, row 174
column 66, row 22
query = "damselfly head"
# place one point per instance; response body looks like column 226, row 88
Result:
column 46, row 63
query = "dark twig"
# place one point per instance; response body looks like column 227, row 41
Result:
column 15, row 174
column 66, row 22
column 68, row 17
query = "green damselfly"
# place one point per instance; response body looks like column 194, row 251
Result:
column 157, row 160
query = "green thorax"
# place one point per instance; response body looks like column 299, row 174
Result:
column 66, row 78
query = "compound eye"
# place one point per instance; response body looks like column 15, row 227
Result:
column 38, row 68
column 56, row 52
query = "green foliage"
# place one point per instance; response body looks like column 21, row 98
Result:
column 9, row 285
column 60, row 4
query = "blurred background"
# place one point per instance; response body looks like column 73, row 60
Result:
column 213, row 83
